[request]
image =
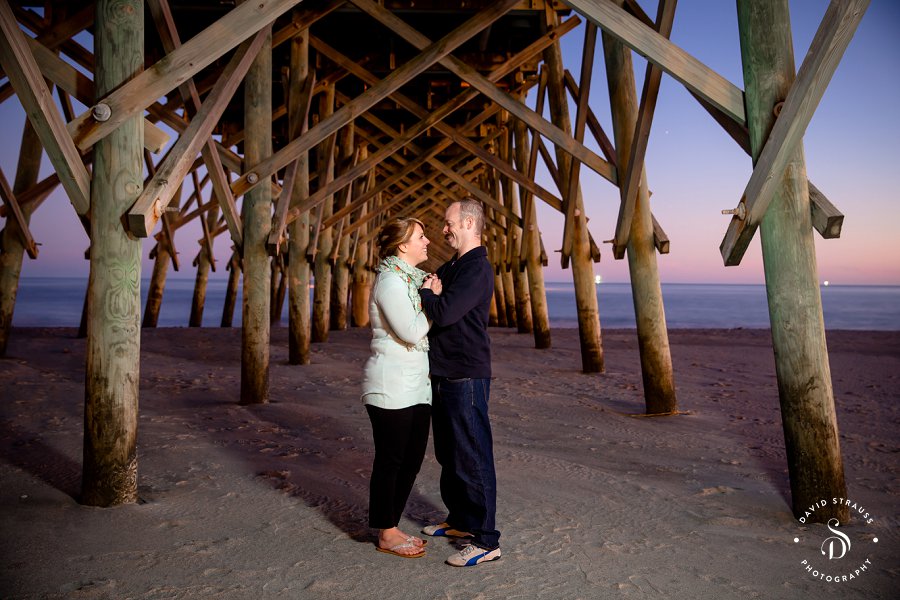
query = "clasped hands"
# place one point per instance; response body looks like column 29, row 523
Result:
column 432, row 282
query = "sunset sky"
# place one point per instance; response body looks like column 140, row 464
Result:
column 694, row 169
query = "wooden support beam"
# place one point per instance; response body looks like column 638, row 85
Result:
column 430, row 157
column 36, row 193
column 389, row 85
column 660, row 237
column 657, row 373
column 211, row 154
column 486, row 87
column 153, row 200
column 298, row 267
column 826, row 218
column 112, row 350
column 75, row 51
column 257, row 219
column 52, row 37
column 200, row 51
column 526, row 162
column 167, row 238
column 70, row 79
column 26, row 79
column 205, row 224
column 10, row 199
column 593, row 123
column 628, row 187
column 825, row 52
column 581, row 112
column 434, row 118
column 805, row 390
column 686, row 69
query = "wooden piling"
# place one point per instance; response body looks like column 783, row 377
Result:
column 653, row 338
column 231, row 289
column 324, row 242
column 531, row 242
column 298, row 268
column 795, row 306
column 12, row 250
column 340, row 282
column 581, row 261
column 360, row 274
column 201, row 281
column 518, row 279
column 157, row 284
column 112, row 350
column 257, row 220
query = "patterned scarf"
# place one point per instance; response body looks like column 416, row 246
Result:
column 414, row 278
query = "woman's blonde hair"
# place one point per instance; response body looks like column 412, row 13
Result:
column 395, row 232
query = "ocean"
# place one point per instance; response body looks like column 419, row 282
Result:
column 57, row 302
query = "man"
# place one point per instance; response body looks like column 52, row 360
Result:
column 458, row 302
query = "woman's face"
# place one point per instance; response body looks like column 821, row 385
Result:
column 415, row 249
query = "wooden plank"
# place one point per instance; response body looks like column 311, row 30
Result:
column 10, row 199
column 629, row 186
column 660, row 237
column 370, row 97
column 486, row 87
column 686, row 69
column 825, row 52
column 158, row 192
column 200, row 51
column 26, row 79
column 581, row 112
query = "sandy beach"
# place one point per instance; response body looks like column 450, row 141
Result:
column 595, row 501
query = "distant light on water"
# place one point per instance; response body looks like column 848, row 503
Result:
column 825, row 283
column 598, row 279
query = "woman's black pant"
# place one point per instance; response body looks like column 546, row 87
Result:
column 401, row 436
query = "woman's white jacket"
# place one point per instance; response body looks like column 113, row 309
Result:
column 396, row 374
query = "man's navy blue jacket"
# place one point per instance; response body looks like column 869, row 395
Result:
column 459, row 345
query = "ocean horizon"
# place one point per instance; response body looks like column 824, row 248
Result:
column 58, row 301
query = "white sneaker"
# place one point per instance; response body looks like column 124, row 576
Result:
column 444, row 530
column 472, row 555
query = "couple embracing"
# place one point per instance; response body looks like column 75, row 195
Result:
column 433, row 322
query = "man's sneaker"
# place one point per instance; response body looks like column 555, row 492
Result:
column 472, row 555
column 444, row 530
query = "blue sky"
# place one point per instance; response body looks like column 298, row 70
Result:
column 694, row 169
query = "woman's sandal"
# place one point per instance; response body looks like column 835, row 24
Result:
column 405, row 545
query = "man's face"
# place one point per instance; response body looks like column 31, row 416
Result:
column 454, row 231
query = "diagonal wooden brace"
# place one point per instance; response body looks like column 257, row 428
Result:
column 835, row 31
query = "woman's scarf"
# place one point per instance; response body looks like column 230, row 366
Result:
column 414, row 278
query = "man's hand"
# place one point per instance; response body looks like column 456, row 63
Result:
column 433, row 282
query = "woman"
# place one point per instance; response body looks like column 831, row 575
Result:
column 396, row 387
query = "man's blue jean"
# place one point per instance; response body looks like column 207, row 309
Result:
column 464, row 448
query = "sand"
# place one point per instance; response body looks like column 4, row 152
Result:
column 270, row 501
